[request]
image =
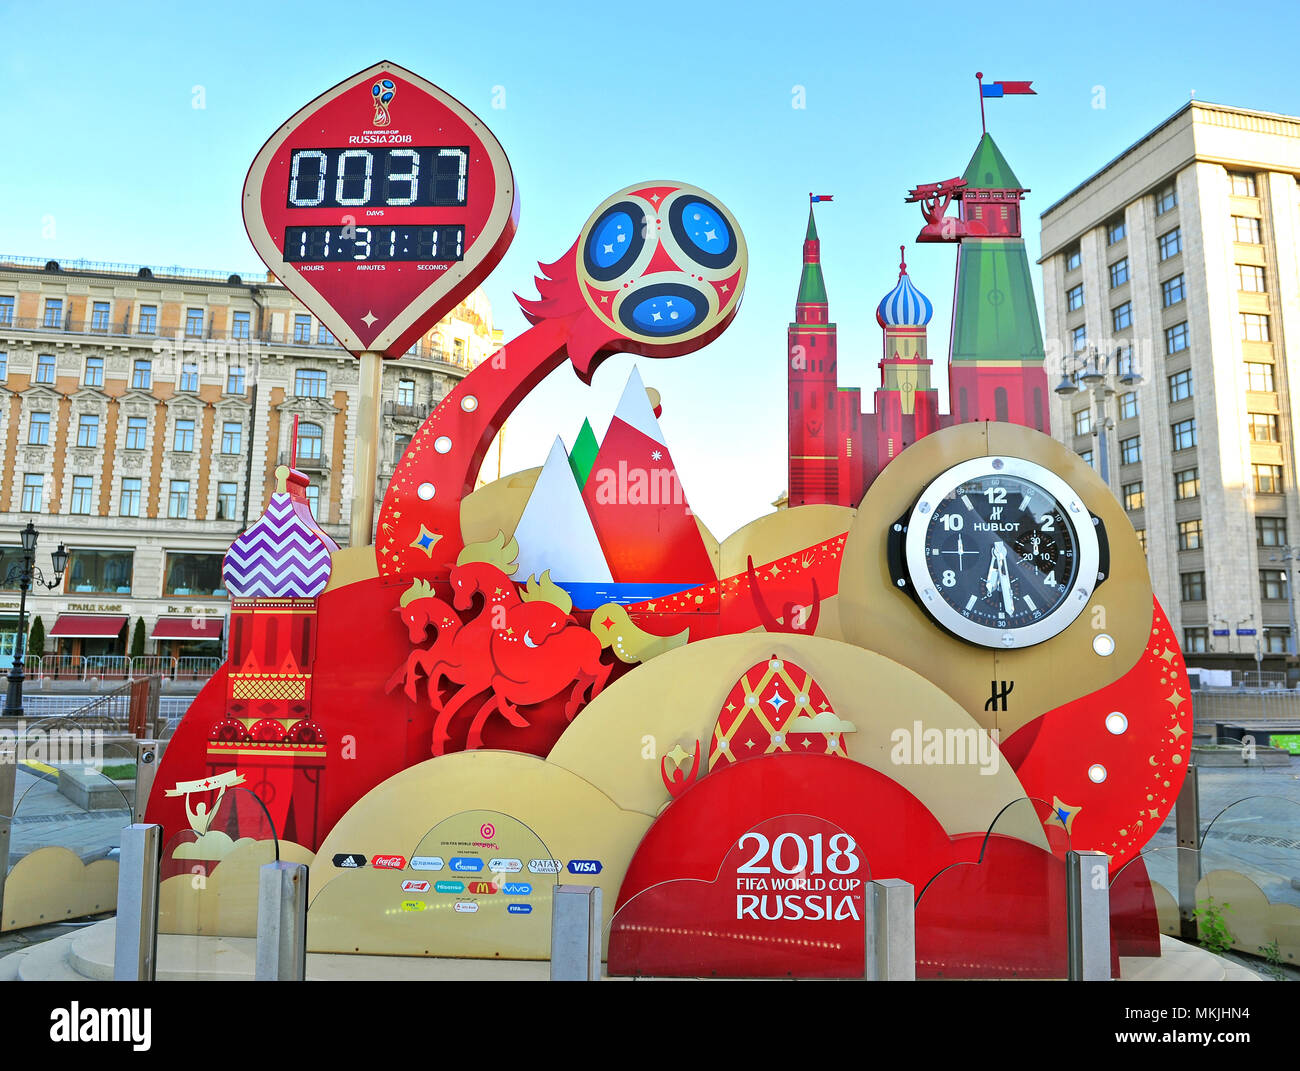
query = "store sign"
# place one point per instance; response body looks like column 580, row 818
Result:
column 95, row 607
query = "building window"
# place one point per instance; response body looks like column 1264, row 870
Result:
column 33, row 492
column 1130, row 450
column 189, row 377
column 1184, row 433
column 135, row 432
column 227, row 494
column 235, row 381
column 4, row 366
column 400, row 443
column 1242, row 185
column 1192, row 586
column 308, row 383
column 1121, row 316
column 1115, row 231
column 1254, row 327
column 310, row 439
column 1083, row 422
column 1128, row 406
column 88, row 430
column 1277, row 640
column 130, row 504
column 193, row 574
column 1270, row 531
column 1176, row 338
column 94, row 376
column 1141, row 534
column 1172, row 290
column 183, row 436
column 458, row 350
column 99, row 316
column 6, row 311
column 178, row 501
column 38, row 430
column 1272, row 584
column 1196, row 640
column 406, row 392
column 142, row 375
column 1245, row 229
column 1263, row 427
column 102, row 571
column 1180, row 385
column 239, row 325
column 45, row 368
column 301, row 328
column 148, row 322
column 53, row 312
column 1079, row 336
column 1171, row 243
column 1166, row 200
column 1134, row 496
column 231, row 436
column 1189, row 535
column 1187, row 484
column 324, row 335
column 193, row 323
column 1268, row 479
column 313, row 499
column 1086, row 456
column 1073, row 259
column 1250, row 278
column 81, row 487
column 1119, row 272
column 1074, row 298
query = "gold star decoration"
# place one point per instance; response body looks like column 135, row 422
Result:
column 1063, row 814
column 678, row 755
column 1177, row 731
column 425, row 541
column 1175, row 699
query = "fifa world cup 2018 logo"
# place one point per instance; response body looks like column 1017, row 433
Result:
column 383, row 92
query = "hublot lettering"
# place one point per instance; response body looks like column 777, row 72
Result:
column 999, row 695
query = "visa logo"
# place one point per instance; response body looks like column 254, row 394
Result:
column 520, row 909
column 584, row 866
column 460, row 862
column 517, row 888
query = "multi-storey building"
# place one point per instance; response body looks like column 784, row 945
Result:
column 144, row 414
column 1181, row 254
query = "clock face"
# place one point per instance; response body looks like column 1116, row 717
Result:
column 1001, row 552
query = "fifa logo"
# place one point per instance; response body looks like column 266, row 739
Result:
column 383, row 92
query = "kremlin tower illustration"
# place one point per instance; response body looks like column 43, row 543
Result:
column 995, row 359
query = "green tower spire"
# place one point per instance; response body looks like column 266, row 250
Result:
column 812, row 287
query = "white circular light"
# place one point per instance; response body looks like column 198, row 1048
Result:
column 469, row 403
column 442, row 444
column 425, row 491
column 1103, row 644
column 1116, row 723
column 1096, row 773
column 777, row 737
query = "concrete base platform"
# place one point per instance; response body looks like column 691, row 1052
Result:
column 87, row 955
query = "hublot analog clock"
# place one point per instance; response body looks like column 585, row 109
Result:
column 999, row 551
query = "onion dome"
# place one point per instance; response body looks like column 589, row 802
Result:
column 284, row 554
column 905, row 305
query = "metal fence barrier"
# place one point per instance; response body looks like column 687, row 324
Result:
column 119, row 667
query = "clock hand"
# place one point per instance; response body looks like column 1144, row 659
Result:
column 1008, row 601
column 991, row 580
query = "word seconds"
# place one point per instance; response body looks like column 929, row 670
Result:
column 374, row 178
column 305, row 245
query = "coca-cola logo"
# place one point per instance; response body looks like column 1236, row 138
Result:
column 388, row 862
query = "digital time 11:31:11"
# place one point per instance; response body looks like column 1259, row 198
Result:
column 436, row 242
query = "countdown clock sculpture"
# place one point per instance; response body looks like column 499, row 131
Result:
column 380, row 205
column 1000, row 551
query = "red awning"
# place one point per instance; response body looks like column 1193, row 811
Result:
column 187, row 628
column 88, row 626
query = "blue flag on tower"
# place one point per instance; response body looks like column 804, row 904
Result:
column 813, row 198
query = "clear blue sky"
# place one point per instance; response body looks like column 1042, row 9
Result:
column 101, row 140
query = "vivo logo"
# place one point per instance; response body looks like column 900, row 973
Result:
column 516, row 888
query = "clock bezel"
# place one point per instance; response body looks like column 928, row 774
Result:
column 926, row 587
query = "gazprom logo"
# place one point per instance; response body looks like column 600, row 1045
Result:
column 463, row 863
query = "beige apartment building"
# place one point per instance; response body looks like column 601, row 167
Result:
column 1181, row 255
column 143, row 414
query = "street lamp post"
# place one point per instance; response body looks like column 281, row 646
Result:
column 1095, row 371
column 25, row 574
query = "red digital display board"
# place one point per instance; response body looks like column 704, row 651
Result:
column 381, row 205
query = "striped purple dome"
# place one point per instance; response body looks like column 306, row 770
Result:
column 905, row 305
column 284, row 554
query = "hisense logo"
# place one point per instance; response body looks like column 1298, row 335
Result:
column 76, row 1023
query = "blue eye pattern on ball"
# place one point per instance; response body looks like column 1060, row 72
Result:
column 663, row 309
column 614, row 242
column 702, row 232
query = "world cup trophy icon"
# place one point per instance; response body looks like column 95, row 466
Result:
column 383, row 92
